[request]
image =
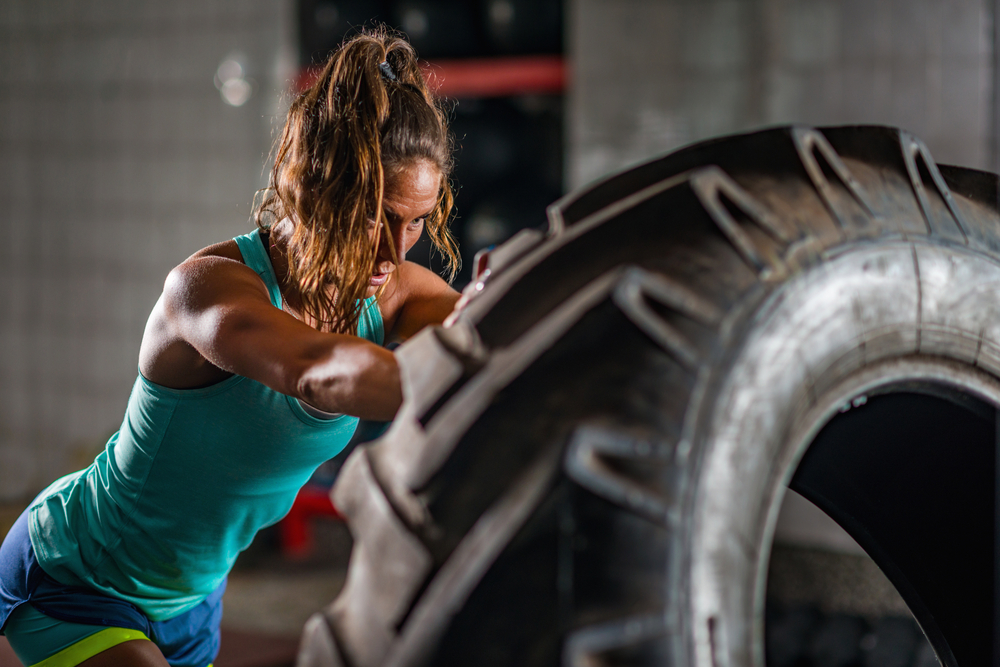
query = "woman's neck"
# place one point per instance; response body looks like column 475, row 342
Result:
column 277, row 240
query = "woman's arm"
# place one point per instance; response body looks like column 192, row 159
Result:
column 216, row 310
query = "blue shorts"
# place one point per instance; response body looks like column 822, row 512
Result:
column 188, row 640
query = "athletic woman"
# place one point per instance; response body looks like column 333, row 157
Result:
column 256, row 362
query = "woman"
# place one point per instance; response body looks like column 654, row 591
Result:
column 254, row 356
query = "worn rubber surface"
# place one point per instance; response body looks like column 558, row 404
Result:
column 590, row 458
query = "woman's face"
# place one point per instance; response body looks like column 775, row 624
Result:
column 411, row 193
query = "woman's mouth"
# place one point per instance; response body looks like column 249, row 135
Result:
column 378, row 279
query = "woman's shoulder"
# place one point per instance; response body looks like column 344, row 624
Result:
column 410, row 279
column 420, row 297
column 226, row 249
column 210, row 267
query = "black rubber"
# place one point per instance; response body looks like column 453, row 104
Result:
column 550, row 493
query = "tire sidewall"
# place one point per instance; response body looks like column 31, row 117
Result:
column 869, row 316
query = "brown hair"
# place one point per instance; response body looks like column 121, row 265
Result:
column 358, row 124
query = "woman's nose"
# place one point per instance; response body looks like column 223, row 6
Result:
column 395, row 232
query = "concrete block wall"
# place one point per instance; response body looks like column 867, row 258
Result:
column 118, row 158
column 653, row 75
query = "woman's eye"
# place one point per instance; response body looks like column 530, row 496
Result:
column 417, row 224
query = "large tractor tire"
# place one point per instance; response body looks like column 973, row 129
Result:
column 591, row 456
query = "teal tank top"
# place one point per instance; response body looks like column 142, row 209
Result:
column 161, row 514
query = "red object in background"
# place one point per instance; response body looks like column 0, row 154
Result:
column 497, row 77
column 295, row 534
column 484, row 77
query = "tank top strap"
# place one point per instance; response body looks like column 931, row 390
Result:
column 370, row 324
column 255, row 256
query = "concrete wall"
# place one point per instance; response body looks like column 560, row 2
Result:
column 652, row 75
column 118, row 158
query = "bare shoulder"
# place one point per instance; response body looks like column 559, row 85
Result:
column 210, row 271
column 421, row 281
column 419, row 297
column 225, row 249
column 211, row 279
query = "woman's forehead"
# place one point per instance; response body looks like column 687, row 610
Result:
column 413, row 186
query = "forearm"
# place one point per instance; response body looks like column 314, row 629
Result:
column 356, row 378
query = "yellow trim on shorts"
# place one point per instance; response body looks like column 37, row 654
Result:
column 88, row 647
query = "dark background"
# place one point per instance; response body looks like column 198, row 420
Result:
column 509, row 158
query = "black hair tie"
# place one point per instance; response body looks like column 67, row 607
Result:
column 387, row 71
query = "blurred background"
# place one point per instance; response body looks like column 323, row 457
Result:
column 134, row 132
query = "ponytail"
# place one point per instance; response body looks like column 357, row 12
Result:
column 368, row 115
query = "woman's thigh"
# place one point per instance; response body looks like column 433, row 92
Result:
column 40, row 640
